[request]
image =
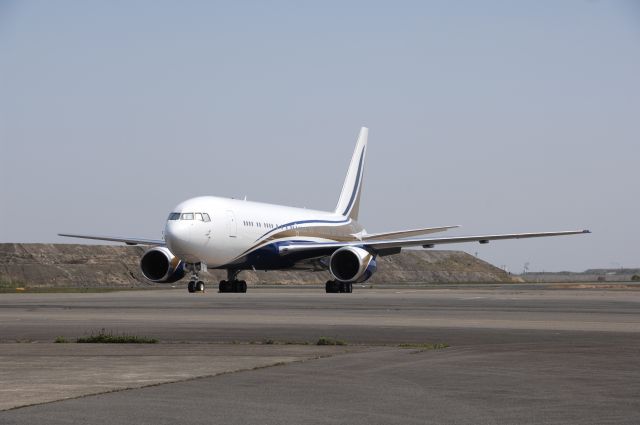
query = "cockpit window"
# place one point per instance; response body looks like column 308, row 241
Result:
column 189, row 216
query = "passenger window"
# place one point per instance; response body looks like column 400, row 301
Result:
column 187, row 216
column 199, row 217
column 206, row 217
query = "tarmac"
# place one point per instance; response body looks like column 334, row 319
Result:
column 522, row 354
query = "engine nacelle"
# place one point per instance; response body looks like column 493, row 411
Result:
column 158, row 264
column 352, row 264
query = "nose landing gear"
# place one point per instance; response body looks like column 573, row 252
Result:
column 232, row 284
column 195, row 284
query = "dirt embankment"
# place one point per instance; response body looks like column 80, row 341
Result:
column 70, row 265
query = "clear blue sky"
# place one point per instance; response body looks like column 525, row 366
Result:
column 500, row 116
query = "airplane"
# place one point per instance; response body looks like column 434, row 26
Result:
column 210, row 232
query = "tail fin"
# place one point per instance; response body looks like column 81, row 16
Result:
column 349, row 202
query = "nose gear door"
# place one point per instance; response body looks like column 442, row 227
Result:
column 232, row 226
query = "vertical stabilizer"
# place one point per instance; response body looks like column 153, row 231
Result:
column 349, row 202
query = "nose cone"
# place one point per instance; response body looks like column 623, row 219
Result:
column 177, row 235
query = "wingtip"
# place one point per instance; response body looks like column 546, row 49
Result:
column 586, row 231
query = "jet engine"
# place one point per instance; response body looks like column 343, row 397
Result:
column 352, row 264
column 158, row 264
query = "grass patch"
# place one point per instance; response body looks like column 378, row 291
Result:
column 61, row 340
column 323, row 340
column 108, row 337
column 270, row 341
column 6, row 286
column 424, row 347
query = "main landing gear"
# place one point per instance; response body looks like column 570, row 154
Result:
column 195, row 284
column 333, row 287
column 232, row 284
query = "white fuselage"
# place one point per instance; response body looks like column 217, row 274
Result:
column 238, row 227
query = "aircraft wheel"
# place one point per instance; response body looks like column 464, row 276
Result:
column 331, row 287
column 242, row 286
column 191, row 287
column 339, row 287
column 199, row 286
column 222, row 287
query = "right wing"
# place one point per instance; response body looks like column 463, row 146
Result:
column 128, row 241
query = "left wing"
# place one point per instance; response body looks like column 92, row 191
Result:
column 128, row 241
column 393, row 246
column 406, row 233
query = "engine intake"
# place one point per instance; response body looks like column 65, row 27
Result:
column 158, row 264
column 352, row 264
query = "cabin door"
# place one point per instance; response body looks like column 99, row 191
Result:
column 232, row 226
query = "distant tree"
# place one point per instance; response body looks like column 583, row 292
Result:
column 601, row 279
column 635, row 278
